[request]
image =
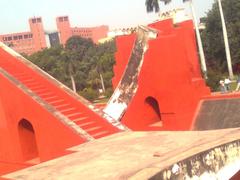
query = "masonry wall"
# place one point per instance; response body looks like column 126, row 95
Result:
column 20, row 42
column 66, row 31
column 34, row 40
column 27, row 42
column 37, row 30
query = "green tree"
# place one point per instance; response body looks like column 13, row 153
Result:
column 51, row 60
column 153, row 5
column 76, row 48
column 80, row 63
column 213, row 39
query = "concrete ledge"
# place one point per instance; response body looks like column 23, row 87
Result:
column 142, row 155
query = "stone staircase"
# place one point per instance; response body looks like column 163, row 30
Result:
column 78, row 112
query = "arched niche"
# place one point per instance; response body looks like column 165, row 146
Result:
column 152, row 111
column 27, row 140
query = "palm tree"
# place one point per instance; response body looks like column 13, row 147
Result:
column 153, row 5
column 225, row 36
column 70, row 67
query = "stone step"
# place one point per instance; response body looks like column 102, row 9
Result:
column 79, row 119
column 100, row 134
column 40, row 90
column 74, row 115
column 56, row 102
column 37, row 88
column 47, row 94
column 92, row 129
column 86, row 124
column 51, row 98
column 63, row 106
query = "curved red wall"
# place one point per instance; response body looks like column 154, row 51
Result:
column 171, row 75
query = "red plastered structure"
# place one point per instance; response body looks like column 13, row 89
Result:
column 40, row 118
column 170, row 84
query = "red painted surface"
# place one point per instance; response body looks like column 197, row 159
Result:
column 124, row 46
column 51, row 138
column 170, row 77
column 170, row 88
column 29, row 132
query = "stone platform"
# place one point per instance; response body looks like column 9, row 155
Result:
column 143, row 155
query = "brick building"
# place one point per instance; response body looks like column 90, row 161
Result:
column 66, row 31
column 36, row 39
column 27, row 42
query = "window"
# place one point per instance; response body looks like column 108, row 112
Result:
column 33, row 21
column 30, row 35
column 20, row 37
column 15, row 37
column 25, row 36
column 61, row 19
column 39, row 20
column 9, row 38
column 66, row 18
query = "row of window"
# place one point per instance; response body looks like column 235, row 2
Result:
column 36, row 20
column 84, row 35
column 82, row 31
column 17, row 37
column 61, row 19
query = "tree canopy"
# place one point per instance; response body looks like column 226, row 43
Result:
column 213, row 36
column 153, row 5
column 214, row 43
column 81, row 60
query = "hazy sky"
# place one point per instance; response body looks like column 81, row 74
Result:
column 115, row 13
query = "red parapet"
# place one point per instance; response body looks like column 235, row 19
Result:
column 124, row 46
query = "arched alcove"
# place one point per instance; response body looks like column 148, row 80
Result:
column 27, row 140
column 152, row 110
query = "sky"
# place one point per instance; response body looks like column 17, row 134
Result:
column 82, row 13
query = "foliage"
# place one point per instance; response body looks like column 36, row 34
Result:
column 213, row 40
column 89, row 94
column 214, row 77
column 213, row 36
column 81, row 59
column 153, row 5
column 109, row 92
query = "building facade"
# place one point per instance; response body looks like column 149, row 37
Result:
column 27, row 42
column 37, row 38
column 66, row 31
